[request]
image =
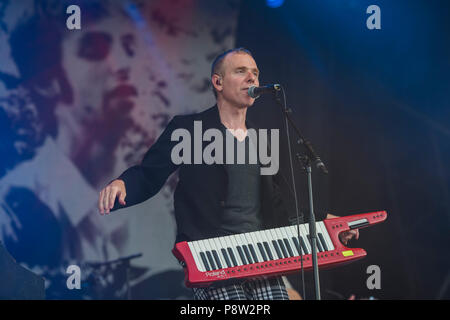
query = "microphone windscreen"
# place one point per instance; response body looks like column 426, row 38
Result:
column 251, row 92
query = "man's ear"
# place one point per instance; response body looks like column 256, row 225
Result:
column 217, row 81
column 56, row 88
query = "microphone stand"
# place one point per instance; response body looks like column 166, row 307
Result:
column 306, row 160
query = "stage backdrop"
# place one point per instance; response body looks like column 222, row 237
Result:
column 78, row 107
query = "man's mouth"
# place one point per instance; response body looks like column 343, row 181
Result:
column 119, row 99
column 122, row 92
column 246, row 90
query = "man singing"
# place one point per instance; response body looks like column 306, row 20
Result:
column 218, row 199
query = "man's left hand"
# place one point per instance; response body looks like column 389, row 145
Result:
column 345, row 236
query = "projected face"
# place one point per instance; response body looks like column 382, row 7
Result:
column 100, row 67
column 98, row 63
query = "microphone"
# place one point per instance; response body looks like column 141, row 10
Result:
column 255, row 92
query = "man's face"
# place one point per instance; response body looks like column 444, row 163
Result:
column 98, row 64
column 239, row 72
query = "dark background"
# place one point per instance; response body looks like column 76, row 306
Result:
column 374, row 104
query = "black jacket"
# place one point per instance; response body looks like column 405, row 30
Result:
column 201, row 191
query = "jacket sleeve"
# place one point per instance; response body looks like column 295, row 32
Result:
column 145, row 180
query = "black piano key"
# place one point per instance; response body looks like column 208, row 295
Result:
column 322, row 240
column 227, row 260
column 310, row 242
column 283, row 249
column 288, row 247
column 252, row 251
column 205, row 262
column 304, row 247
column 216, row 259
column 211, row 260
column 233, row 258
column 263, row 253
column 241, row 254
column 277, row 249
column 269, row 252
column 319, row 247
column 297, row 245
column 247, row 254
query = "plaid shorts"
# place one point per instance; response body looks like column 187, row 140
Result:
column 255, row 289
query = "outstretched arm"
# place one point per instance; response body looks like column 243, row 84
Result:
column 141, row 182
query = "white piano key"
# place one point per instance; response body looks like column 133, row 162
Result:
column 268, row 239
column 196, row 254
column 288, row 232
column 305, row 232
column 236, row 243
column 227, row 244
column 214, row 247
column 278, row 237
column 288, row 237
column 284, row 234
column 203, row 247
column 327, row 237
column 304, row 239
column 219, row 242
column 274, row 237
column 254, row 241
column 281, row 237
column 293, row 233
column 307, row 228
column 244, row 241
column 320, row 230
column 241, row 242
column 223, row 243
column 232, row 246
column 265, row 237
column 260, row 239
column 233, row 249
column 255, row 246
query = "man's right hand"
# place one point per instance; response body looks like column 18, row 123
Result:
column 108, row 196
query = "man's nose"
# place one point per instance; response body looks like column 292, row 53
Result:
column 123, row 74
column 119, row 63
column 251, row 78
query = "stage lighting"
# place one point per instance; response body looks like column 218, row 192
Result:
column 274, row 3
